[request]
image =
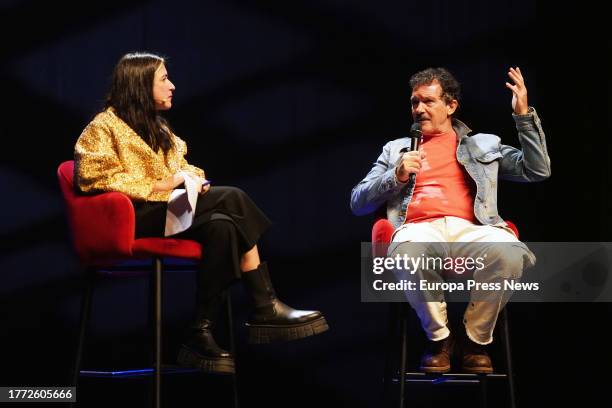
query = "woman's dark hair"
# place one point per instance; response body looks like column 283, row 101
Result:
column 131, row 95
column 451, row 89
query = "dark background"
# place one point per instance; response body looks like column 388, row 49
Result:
column 292, row 101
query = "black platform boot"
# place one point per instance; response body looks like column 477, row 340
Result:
column 273, row 320
column 200, row 350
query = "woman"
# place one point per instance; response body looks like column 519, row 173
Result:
column 129, row 147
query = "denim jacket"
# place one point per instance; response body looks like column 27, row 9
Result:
column 484, row 157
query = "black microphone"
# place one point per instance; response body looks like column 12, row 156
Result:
column 416, row 137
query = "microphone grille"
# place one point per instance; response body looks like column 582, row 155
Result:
column 415, row 130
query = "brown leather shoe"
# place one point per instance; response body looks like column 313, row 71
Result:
column 436, row 358
column 475, row 358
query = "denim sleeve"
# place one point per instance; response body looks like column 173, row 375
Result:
column 531, row 162
column 377, row 187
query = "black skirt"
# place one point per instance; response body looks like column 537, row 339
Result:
column 226, row 222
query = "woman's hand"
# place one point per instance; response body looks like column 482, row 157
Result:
column 205, row 187
column 169, row 183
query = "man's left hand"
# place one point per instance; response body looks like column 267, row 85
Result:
column 519, row 91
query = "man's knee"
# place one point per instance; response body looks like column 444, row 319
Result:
column 510, row 260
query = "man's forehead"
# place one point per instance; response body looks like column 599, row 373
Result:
column 427, row 90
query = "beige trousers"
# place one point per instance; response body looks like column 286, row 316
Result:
column 503, row 262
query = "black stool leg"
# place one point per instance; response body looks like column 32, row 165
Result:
column 404, row 339
column 157, row 312
column 390, row 355
column 508, row 352
column 230, row 323
column 483, row 390
column 84, row 322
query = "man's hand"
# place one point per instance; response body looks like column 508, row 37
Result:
column 410, row 163
column 519, row 91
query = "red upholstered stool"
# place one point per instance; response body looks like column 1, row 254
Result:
column 102, row 228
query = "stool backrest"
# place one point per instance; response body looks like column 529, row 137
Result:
column 102, row 225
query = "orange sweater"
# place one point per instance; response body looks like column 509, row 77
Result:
column 443, row 188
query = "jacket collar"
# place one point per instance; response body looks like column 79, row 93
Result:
column 461, row 128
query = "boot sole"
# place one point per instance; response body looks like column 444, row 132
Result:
column 265, row 334
column 214, row 365
column 435, row 370
column 478, row 370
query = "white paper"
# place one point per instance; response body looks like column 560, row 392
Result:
column 182, row 205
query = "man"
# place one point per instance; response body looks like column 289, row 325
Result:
column 453, row 198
